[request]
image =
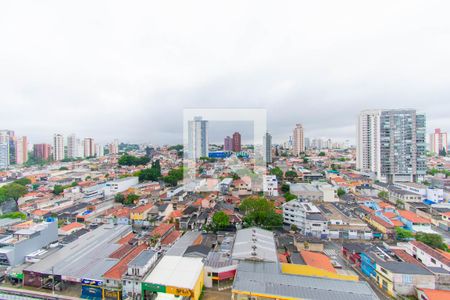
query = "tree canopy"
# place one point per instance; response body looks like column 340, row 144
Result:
column 14, row 215
column 341, row 192
column 432, row 239
column 403, row 234
column 174, row 176
column 130, row 160
column 220, row 220
column 290, row 174
column 285, row 187
column 289, row 197
column 152, row 174
column 58, row 189
column 23, row 181
column 277, row 172
column 258, row 211
column 12, row 191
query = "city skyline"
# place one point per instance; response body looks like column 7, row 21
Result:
column 173, row 69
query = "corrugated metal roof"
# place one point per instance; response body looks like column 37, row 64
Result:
column 255, row 244
column 87, row 257
column 264, row 278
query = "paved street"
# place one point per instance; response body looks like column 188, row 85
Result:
column 331, row 247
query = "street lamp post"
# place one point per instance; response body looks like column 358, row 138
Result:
column 53, row 280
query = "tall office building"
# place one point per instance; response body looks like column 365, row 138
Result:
column 89, row 147
column 22, row 150
column 72, row 146
column 197, row 138
column 42, row 151
column 391, row 144
column 4, row 150
column 114, row 147
column 307, row 143
column 298, row 140
column 227, row 144
column 438, row 142
column 267, row 141
column 58, row 147
column 99, row 150
column 236, row 142
column 9, row 137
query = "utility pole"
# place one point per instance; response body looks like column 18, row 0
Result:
column 53, row 280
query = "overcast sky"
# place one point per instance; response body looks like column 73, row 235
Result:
column 127, row 69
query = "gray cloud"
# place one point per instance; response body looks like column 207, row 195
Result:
column 109, row 70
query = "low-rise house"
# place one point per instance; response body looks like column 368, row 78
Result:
column 140, row 213
column 270, row 185
column 401, row 278
column 70, row 228
column 137, row 269
column 308, row 219
column 306, row 191
column 414, row 222
column 428, row 256
column 431, row 294
column 25, row 240
column 242, row 186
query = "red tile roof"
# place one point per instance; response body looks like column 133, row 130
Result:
column 397, row 223
column 39, row 212
column 126, row 239
column 162, row 229
column 317, row 260
column 177, row 214
column 172, row 237
column 381, row 221
column 119, row 269
column 436, row 294
column 71, row 226
column 410, row 216
column 432, row 252
column 122, row 251
column 123, row 212
column 141, row 209
column 282, row 258
column 403, row 255
column 390, row 215
column 367, row 209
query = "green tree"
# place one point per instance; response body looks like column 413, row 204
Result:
column 432, row 239
column 383, row 195
column 58, row 189
column 12, row 191
column 23, row 181
column 131, row 198
column 151, row 174
column 402, row 234
column 220, row 220
column 290, row 175
column 130, row 160
column 120, row 198
column 289, row 197
column 341, row 192
column 174, row 176
column 285, row 188
column 14, row 215
column 63, row 168
column 277, row 172
column 258, row 211
column 322, row 153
